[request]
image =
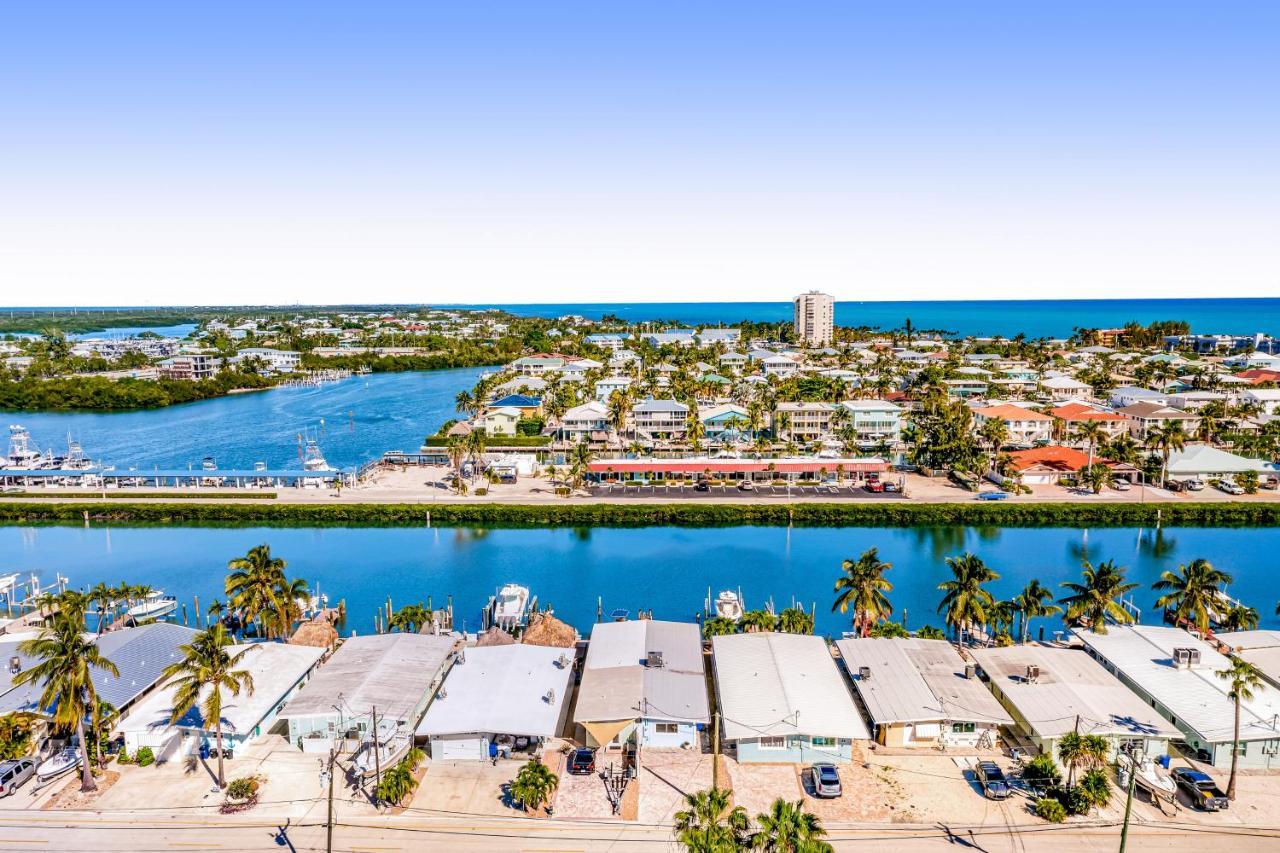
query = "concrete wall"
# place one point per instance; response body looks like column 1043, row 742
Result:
column 685, row 733
column 798, row 750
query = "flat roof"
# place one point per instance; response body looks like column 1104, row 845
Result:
column 275, row 669
column 515, row 689
column 1195, row 695
column 1071, row 684
column 773, row 684
column 389, row 671
column 914, row 680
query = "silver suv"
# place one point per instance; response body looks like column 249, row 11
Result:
column 826, row 781
column 14, row 774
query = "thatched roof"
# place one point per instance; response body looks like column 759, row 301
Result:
column 547, row 630
column 319, row 633
column 495, row 636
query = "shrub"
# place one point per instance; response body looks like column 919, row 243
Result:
column 1076, row 800
column 145, row 757
column 1096, row 786
column 1051, row 810
column 888, row 629
column 242, row 789
column 1042, row 772
column 928, row 632
column 123, row 758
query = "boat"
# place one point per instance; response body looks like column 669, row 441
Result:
column 65, row 759
column 509, row 609
column 383, row 748
column 23, row 455
column 156, row 605
column 1151, row 777
column 728, row 605
column 313, row 461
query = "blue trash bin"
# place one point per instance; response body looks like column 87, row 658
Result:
column 1164, row 761
column 204, row 751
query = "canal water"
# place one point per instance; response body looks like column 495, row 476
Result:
column 355, row 420
column 668, row 570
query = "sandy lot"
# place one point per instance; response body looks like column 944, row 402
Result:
column 467, row 787
column 666, row 776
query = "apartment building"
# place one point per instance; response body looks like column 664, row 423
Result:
column 803, row 421
column 815, row 315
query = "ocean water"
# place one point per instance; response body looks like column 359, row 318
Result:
column 668, row 570
column 1033, row 318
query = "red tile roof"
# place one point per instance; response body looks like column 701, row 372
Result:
column 1082, row 412
column 1008, row 412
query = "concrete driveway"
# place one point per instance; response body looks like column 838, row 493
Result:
column 666, row 775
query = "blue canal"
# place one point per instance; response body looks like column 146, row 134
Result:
column 667, row 570
column 355, row 420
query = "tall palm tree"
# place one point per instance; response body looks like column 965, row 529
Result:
column 1240, row 617
column 1091, row 434
column 1076, row 750
column 1193, row 592
column 1245, row 678
column 708, row 825
column 1165, row 439
column 207, row 667
column 863, row 589
column 104, row 598
column 253, row 586
column 789, row 828
column 966, row 599
column 1098, row 597
column 1034, row 600
column 65, row 672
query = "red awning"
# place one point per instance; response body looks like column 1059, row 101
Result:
column 735, row 466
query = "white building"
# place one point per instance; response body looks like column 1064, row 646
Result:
column 875, row 421
column 606, row 386
column 580, row 422
column 814, row 318
column 277, row 361
column 515, row 696
column 1268, row 399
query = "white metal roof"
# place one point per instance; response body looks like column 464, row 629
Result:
column 620, row 680
column 275, row 669
column 914, row 680
column 516, row 690
column 773, row 684
column 1259, row 639
column 1071, row 684
column 1196, row 696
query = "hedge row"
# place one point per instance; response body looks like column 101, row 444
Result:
column 495, row 442
column 570, row 514
column 131, row 495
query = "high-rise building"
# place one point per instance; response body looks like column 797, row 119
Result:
column 815, row 318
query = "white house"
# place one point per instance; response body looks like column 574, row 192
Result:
column 1127, row 395
column 1024, row 426
column 780, row 366
column 513, row 696
column 580, row 422
column 875, row 420
column 606, row 386
column 1062, row 388
column 660, row 418
column 1268, row 399
column 277, row 361
column 1205, row 462
column 499, row 421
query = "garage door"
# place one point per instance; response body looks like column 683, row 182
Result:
column 458, row 749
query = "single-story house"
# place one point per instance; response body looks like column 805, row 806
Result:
column 1048, row 465
column 921, row 693
column 278, row 669
column 643, row 682
column 1260, row 648
column 1050, row 691
column 495, row 696
column 1205, row 462
column 395, row 675
column 1176, row 673
column 782, row 699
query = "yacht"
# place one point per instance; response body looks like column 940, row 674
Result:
column 383, row 748
column 313, row 461
column 156, row 605
column 23, row 454
column 728, row 605
column 509, row 609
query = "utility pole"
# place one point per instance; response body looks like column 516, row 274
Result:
column 1128, row 800
column 328, row 826
column 377, row 755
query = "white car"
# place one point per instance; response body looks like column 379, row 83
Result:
column 1121, row 485
column 1231, row 488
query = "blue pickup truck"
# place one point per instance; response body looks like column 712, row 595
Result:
column 1200, row 788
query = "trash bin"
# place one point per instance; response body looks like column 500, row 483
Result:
column 1164, row 761
column 204, row 751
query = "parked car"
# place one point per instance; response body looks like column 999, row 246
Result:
column 826, row 781
column 1200, row 788
column 891, row 486
column 1176, row 486
column 1195, row 485
column 702, row 486
column 992, row 496
column 746, row 486
column 994, row 784
column 874, row 486
column 582, row 762
column 1121, row 485
column 1230, row 487
column 14, row 774
column 1272, row 483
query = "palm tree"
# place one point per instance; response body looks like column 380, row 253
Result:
column 1076, row 750
column 1098, row 598
column 708, row 825
column 65, row 671
column 1245, row 678
column 754, row 621
column 208, row 668
column 533, row 784
column 789, row 828
column 862, row 587
column 1095, row 476
column 1033, row 601
column 104, row 598
column 253, row 585
column 795, row 620
column 410, row 618
column 1091, row 434
column 1193, row 592
column 719, row 626
column 1166, row 438
column 965, row 599
column 1240, row 617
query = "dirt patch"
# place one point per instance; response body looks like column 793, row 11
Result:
column 71, row 797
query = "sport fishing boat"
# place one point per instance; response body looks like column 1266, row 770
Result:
column 62, row 761
column 382, row 748
column 313, row 461
column 23, row 454
column 156, row 605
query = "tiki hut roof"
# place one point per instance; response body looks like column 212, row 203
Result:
column 547, row 630
column 319, row 632
column 495, row 636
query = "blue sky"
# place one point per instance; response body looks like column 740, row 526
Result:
column 554, row 151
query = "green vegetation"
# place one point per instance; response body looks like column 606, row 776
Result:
column 497, row 441
column 243, row 788
column 145, row 757
column 32, row 393
column 398, row 782
column 707, row 824
column 533, row 784
column 15, row 735
column 132, row 495
column 33, row 321
column 1051, row 810
column 466, row 357
column 877, row 514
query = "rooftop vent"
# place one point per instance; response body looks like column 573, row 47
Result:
column 442, row 694
column 654, row 659
column 864, row 673
column 564, row 660
column 970, row 670
column 15, row 664
column 1186, row 658
column 1033, row 673
column 550, row 698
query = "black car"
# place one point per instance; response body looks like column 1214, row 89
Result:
column 582, row 762
column 994, row 784
column 702, row 486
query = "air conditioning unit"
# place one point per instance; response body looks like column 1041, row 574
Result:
column 461, row 657
column 1033, row 673
column 654, row 660
column 564, row 661
column 15, row 664
column 970, row 670
column 442, row 694
column 1186, row 658
column 864, row 673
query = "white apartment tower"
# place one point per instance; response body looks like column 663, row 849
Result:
column 815, row 318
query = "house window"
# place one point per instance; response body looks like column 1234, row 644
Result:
column 962, row 728
column 773, row 743
column 666, row 728
column 822, row 741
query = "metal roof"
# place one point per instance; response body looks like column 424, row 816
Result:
column 1070, row 685
column 914, row 680
column 620, row 680
column 390, row 671
column 502, row 690
column 773, row 684
column 1196, row 695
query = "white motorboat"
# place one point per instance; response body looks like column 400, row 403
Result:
column 509, row 608
column 1151, row 777
column 383, row 748
column 728, row 605
column 156, row 605
column 313, row 461
column 65, row 759
column 23, row 455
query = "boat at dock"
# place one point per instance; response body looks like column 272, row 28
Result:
column 156, row 605
column 509, row 608
column 728, row 605
column 23, row 455
column 382, row 748
column 313, row 461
